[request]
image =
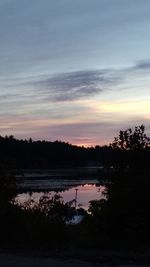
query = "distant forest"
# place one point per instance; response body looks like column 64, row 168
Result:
column 131, row 147
column 45, row 154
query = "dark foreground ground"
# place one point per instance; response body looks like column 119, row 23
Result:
column 28, row 261
column 101, row 259
column 22, row 261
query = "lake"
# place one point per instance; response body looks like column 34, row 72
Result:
column 35, row 185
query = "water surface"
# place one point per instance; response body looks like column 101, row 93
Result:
column 87, row 190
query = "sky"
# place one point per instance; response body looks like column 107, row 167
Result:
column 74, row 70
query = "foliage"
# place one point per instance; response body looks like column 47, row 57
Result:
column 125, row 215
column 96, row 207
column 8, row 183
column 52, row 208
column 132, row 140
column 131, row 149
column 127, row 209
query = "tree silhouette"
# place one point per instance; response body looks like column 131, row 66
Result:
column 132, row 140
column 127, row 209
column 131, row 149
column 8, row 182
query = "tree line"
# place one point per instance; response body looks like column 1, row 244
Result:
column 46, row 154
column 131, row 147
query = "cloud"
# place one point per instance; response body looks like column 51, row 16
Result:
column 71, row 86
column 38, row 94
column 77, row 85
column 74, row 85
column 142, row 65
column 7, row 97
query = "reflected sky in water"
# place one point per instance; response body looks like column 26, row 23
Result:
column 85, row 193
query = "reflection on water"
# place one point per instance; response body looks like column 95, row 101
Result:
column 85, row 193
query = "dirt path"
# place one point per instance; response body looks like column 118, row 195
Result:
column 10, row 260
column 22, row 261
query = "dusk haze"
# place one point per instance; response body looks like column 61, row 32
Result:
column 74, row 133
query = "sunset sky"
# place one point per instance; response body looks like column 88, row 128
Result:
column 74, row 70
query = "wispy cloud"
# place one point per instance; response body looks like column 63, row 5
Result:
column 142, row 65
column 74, row 85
